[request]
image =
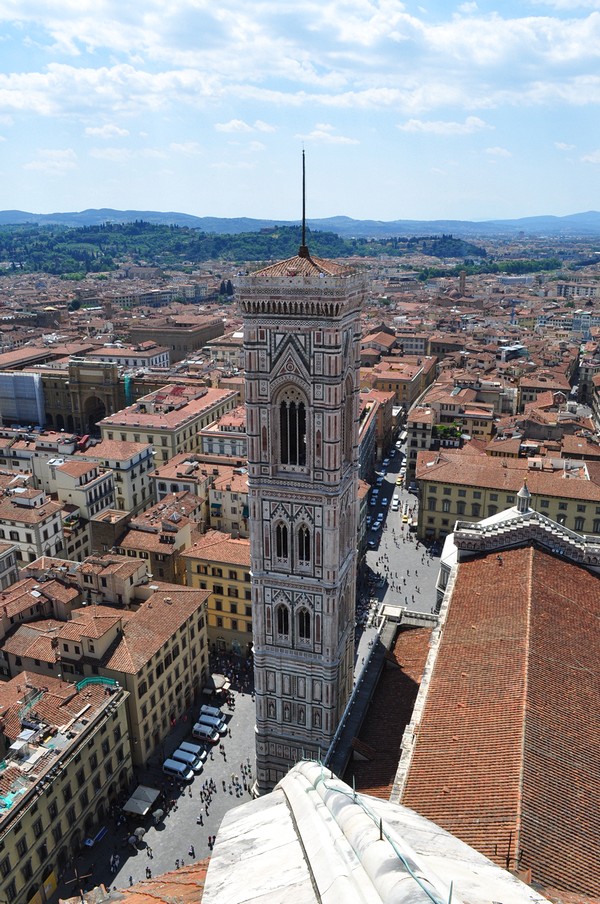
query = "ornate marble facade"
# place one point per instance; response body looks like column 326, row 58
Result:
column 302, row 356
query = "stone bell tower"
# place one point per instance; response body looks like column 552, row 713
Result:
column 302, row 353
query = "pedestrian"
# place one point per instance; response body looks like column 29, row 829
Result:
column 192, row 852
column 131, row 880
column 177, row 863
column 200, row 820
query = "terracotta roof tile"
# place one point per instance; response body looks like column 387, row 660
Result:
column 507, row 755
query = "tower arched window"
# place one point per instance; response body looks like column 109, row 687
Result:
column 347, row 422
column 281, row 540
column 304, row 544
column 292, row 432
column 304, row 625
column 282, row 618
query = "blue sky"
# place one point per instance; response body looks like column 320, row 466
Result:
column 406, row 110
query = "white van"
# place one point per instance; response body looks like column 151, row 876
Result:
column 211, row 711
column 192, row 761
column 218, row 724
column 177, row 769
column 196, row 749
column 204, row 732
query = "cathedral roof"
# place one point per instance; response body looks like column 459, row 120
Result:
column 304, row 265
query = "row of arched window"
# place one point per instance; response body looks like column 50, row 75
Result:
column 303, row 549
column 303, row 624
column 293, row 428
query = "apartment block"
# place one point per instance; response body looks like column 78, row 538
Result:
column 66, row 760
column 31, row 521
column 157, row 652
column 131, row 464
column 228, row 499
column 170, row 419
column 221, row 564
column 462, row 485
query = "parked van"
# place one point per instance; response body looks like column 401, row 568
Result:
column 204, row 732
column 184, row 756
column 196, row 749
column 218, row 724
column 179, row 770
column 211, row 711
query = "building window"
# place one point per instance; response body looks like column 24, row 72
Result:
column 579, row 522
column 22, row 847
column 460, row 507
column 431, row 504
column 292, row 432
column 282, row 617
column 445, row 505
column 475, row 510
column 304, row 624
column 281, row 540
column 304, row 544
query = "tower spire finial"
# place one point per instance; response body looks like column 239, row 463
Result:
column 303, row 250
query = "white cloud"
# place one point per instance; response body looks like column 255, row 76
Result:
column 592, row 157
column 562, row 146
column 107, row 131
column 325, row 134
column 470, row 125
column 261, row 126
column 497, row 152
column 234, row 125
column 569, row 5
column 114, row 155
column 123, row 155
column 53, row 162
column 189, row 148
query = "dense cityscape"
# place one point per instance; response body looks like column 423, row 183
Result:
column 264, row 517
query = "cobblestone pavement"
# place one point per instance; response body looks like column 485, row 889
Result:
column 409, row 569
column 171, row 840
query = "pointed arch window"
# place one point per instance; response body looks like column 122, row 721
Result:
column 303, row 544
column 281, row 540
column 282, row 618
column 304, row 627
column 347, row 423
column 292, row 432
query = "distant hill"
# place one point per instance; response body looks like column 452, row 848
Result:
column 578, row 224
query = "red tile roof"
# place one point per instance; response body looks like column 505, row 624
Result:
column 507, row 754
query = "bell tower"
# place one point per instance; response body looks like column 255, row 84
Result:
column 302, row 354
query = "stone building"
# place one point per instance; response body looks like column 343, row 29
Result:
column 302, row 351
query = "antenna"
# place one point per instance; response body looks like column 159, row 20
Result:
column 303, row 250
